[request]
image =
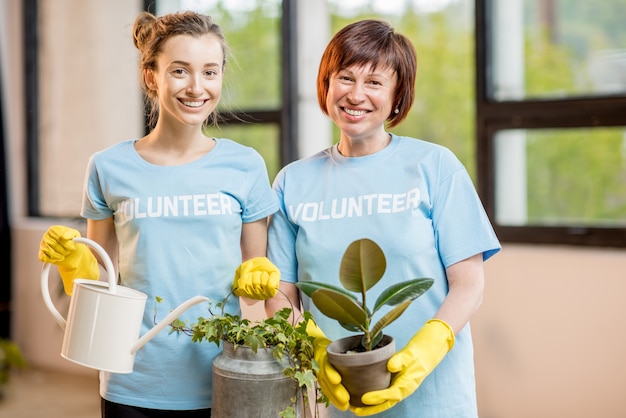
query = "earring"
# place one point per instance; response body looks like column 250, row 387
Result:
column 396, row 111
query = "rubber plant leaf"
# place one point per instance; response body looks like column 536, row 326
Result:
column 362, row 265
column 377, row 330
column 403, row 291
column 351, row 327
column 345, row 309
column 309, row 287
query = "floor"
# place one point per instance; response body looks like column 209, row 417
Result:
column 40, row 393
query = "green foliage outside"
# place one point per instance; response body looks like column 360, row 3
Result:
column 575, row 176
column 559, row 51
column 252, row 79
column 262, row 137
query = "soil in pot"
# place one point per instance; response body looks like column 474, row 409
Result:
column 364, row 371
column 248, row 384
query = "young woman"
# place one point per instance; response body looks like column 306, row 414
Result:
column 412, row 197
column 177, row 211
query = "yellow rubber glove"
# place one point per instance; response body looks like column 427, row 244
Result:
column 257, row 279
column 328, row 377
column 411, row 364
column 74, row 260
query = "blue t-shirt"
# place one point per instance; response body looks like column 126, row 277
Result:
column 417, row 202
column 179, row 232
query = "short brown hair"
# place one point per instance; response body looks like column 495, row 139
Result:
column 376, row 43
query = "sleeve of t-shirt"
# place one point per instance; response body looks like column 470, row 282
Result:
column 261, row 201
column 461, row 224
column 94, row 205
column 281, row 237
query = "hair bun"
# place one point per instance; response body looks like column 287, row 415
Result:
column 142, row 29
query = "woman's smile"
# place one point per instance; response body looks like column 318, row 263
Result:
column 192, row 103
column 354, row 112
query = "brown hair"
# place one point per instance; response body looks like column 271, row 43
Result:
column 371, row 42
column 151, row 32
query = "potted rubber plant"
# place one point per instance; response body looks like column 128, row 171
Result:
column 247, row 373
column 362, row 266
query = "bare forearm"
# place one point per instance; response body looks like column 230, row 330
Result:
column 287, row 297
column 466, row 282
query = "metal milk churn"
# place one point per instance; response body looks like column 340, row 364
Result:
column 249, row 385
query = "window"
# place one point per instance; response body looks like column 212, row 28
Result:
column 551, row 120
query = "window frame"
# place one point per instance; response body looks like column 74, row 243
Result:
column 493, row 116
column 31, row 93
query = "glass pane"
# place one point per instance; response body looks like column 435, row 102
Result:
column 557, row 48
column 264, row 138
column 443, row 34
column 561, row 177
column 252, row 30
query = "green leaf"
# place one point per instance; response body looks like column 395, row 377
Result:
column 362, row 266
column 289, row 412
column 339, row 306
column 309, row 287
column 351, row 327
column 400, row 292
column 306, row 378
column 389, row 317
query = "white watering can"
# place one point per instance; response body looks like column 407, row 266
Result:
column 104, row 320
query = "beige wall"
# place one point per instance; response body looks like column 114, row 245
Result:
column 548, row 338
column 88, row 91
column 88, row 101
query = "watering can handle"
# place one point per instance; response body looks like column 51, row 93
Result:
column 45, row 272
column 108, row 264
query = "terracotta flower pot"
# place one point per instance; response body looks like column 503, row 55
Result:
column 361, row 372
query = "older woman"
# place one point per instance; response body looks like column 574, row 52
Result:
column 415, row 199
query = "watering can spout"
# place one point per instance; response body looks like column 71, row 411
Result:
column 166, row 321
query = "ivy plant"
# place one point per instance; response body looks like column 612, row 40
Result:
column 286, row 340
